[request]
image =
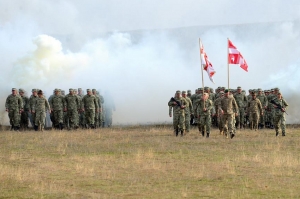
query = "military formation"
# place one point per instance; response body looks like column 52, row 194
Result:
column 228, row 110
column 72, row 111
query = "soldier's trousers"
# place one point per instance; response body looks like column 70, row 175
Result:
column 40, row 117
column 220, row 123
column 240, row 118
column 72, row 117
column 97, row 119
column 58, row 117
column 279, row 120
column 253, row 119
column 227, row 120
column 187, row 122
column 205, row 122
column 90, row 116
column 178, row 121
column 24, row 119
column 14, row 117
column 82, row 120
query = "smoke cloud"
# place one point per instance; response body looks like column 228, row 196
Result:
column 94, row 46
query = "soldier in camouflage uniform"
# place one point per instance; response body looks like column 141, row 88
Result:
column 32, row 101
column 271, row 108
column 241, row 101
column 203, row 112
column 254, row 108
column 72, row 108
column 229, row 109
column 51, row 114
column 97, row 115
column 24, row 114
column 57, row 106
column 39, row 108
column 82, row 121
column 90, row 106
column 178, row 113
column 264, row 102
column 101, row 112
column 14, row 107
column 218, row 113
column 279, row 118
column 188, row 111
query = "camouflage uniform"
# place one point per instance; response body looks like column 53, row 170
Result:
column 279, row 118
column 254, row 108
column 218, row 113
column 90, row 106
column 101, row 112
column 14, row 106
column 72, row 105
column 188, row 110
column 178, row 113
column 32, row 101
column 228, row 106
column 82, row 121
column 40, row 107
column 204, row 115
column 264, row 102
column 97, row 114
column 57, row 105
column 241, row 101
column 24, row 114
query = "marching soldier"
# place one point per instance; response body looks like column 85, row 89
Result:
column 188, row 111
column 57, row 106
column 254, row 109
column 72, row 107
column 90, row 106
column 264, row 102
column 280, row 106
column 241, row 101
column 203, row 109
column 40, row 107
column 24, row 114
column 14, row 107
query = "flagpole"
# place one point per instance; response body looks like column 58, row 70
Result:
column 228, row 60
column 201, row 72
column 201, row 64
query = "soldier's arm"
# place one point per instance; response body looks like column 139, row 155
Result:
column 170, row 103
column 266, row 102
column 20, row 101
column 96, row 103
column 234, row 104
column 190, row 106
column 210, row 105
column 170, row 111
column 285, row 104
column 47, row 105
column 260, row 107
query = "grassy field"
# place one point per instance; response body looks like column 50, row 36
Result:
column 149, row 162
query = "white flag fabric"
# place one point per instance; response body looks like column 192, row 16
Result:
column 207, row 66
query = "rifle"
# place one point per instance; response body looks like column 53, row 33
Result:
column 278, row 106
column 177, row 102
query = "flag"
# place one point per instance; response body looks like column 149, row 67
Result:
column 207, row 66
column 235, row 57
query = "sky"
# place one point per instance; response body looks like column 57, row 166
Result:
column 141, row 52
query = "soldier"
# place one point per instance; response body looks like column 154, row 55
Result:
column 189, row 93
column 178, row 113
column 271, row 108
column 254, row 108
column 82, row 121
column 218, row 112
column 229, row 110
column 203, row 109
column 241, row 101
column 57, row 105
column 101, row 112
column 188, row 111
column 72, row 109
column 264, row 102
column 14, row 107
column 97, row 114
column 39, row 108
column 90, row 106
column 280, row 106
column 32, row 101
column 51, row 114
column 24, row 114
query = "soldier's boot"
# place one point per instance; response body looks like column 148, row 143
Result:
column 202, row 132
column 283, row 133
column 176, row 132
column 277, row 133
column 61, row 126
column 232, row 135
column 207, row 134
column 182, row 132
column 272, row 126
column 251, row 126
column 16, row 128
column 35, row 127
column 93, row 126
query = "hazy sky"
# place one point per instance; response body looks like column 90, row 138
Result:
column 92, row 43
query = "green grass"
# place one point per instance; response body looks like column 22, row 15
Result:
column 149, row 162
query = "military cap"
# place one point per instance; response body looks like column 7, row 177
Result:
column 239, row 87
column 13, row 89
column 183, row 92
column 40, row 92
column 71, row 89
column 276, row 89
column 178, row 91
column 34, row 90
column 206, row 88
column 253, row 93
column 88, row 90
column 56, row 90
column 93, row 89
column 21, row 90
column 80, row 89
column 226, row 91
column 189, row 91
column 259, row 89
column 223, row 88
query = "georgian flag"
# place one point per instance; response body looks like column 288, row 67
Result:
column 207, row 66
column 235, row 57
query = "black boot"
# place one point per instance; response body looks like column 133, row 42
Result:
column 202, row 133
column 231, row 135
column 176, row 132
column 182, row 131
column 283, row 133
column 277, row 133
column 207, row 134
column 61, row 126
column 36, row 127
column 272, row 126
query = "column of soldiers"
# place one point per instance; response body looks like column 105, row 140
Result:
column 228, row 110
column 69, row 111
